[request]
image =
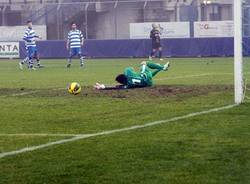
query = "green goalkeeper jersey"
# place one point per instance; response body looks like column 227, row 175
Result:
column 136, row 79
column 143, row 78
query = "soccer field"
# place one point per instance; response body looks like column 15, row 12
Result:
column 163, row 134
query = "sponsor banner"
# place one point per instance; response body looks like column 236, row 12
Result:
column 16, row 33
column 213, row 29
column 9, row 49
column 168, row 30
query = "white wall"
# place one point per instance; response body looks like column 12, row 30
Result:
column 115, row 23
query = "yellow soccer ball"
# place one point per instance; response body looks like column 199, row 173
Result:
column 74, row 88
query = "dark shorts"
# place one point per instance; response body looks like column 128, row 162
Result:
column 156, row 45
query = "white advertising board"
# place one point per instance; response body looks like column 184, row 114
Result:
column 168, row 30
column 16, row 33
column 213, row 29
column 9, row 49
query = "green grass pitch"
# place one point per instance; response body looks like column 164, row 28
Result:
column 35, row 108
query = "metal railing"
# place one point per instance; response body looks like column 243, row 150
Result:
column 109, row 19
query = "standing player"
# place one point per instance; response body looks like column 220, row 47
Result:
column 156, row 41
column 26, row 60
column 30, row 39
column 132, row 79
column 74, row 44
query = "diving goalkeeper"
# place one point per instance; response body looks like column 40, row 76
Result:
column 132, row 79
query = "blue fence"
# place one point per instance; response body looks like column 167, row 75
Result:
column 192, row 47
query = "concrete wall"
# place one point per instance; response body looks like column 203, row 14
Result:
column 108, row 21
column 113, row 23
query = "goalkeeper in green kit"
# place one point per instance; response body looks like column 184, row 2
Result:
column 132, row 79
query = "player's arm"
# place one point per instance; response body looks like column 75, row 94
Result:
column 38, row 37
column 105, row 87
column 68, row 42
column 160, row 29
column 151, row 34
column 82, row 38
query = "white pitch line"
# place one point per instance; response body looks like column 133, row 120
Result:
column 38, row 135
column 183, row 77
column 193, row 76
column 28, row 93
column 85, row 136
column 24, row 93
column 20, row 94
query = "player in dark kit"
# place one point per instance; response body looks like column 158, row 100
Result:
column 156, row 41
column 132, row 79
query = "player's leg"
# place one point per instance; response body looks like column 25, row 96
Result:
column 153, row 65
column 160, row 52
column 80, row 56
column 38, row 60
column 155, row 72
column 25, row 60
column 157, row 67
column 146, row 66
column 36, row 57
column 72, row 53
column 153, row 52
column 31, row 56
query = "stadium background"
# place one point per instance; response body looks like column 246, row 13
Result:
column 106, row 25
column 203, row 136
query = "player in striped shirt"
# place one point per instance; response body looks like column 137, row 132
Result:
column 30, row 39
column 26, row 60
column 74, row 44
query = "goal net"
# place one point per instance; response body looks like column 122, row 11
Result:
column 245, row 20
